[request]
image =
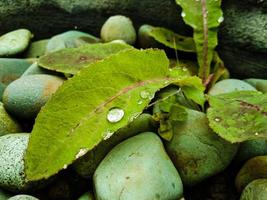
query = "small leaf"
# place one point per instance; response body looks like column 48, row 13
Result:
column 173, row 40
column 204, row 16
column 239, row 116
column 91, row 106
column 71, row 60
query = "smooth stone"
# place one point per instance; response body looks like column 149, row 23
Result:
column 259, row 84
column 87, row 196
column 14, row 42
column 256, row 190
column 86, row 165
column 7, row 123
column 23, row 197
column 144, row 39
column 138, row 168
column 35, row 69
column 70, row 39
column 230, row 85
column 254, row 168
column 196, row 151
column 118, row 27
column 10, row 70
column 25, row 96
column 36, row 49
column 250, row 149
column 12, row 175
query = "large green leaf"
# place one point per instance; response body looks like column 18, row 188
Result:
column 204, row 16
column 91, row 106
column 173, row 40
column 239, row 116
column 71, row 60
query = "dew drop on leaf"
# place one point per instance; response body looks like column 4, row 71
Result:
column 115, row 115
column 256, row 133
column 217, row 119
column 65, row 166
column 183, row 14
column 144, row 94
column 140, row 102
column 220, row 20
column 107, row 135
column 81, row 153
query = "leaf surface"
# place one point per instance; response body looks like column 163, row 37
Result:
column 173, row 40
column 71, row 60
column 91, row 106
column 239, row 116
column 204, row 16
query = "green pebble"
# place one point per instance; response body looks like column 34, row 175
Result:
column 230, row 85
column 144, row 38
column 35, row 69
column 12, row 149
column 118, row 27
column 10, row 70
column 36, row 49
column 259, row 84
column 14, row 42
column 138, row 168
column 86, row 165
column 25, row 96
column 23, row 197
column 87, row 196
column 70, row 39
column 197, row 152
column 254, row 168
column 7, row 123
column 256, row 190
column 250, row 149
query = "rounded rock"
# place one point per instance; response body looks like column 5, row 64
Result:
column 196, row 151
column 118, row 27
column 230, row 85
column 254, row 168
column 14, row 42
column 7, row 123
column 256, row 190
column 23, row 197
column 25, row 96
column 138, row 168
column 12, row 149
column 259, row 84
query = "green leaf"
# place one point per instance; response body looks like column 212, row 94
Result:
column 91, row 106
column 239, row 116
column 204, row 16
column 173, row 40
column 71, row 60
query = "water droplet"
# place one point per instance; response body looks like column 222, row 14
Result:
column 140, row 102
column 220, row 20
column 133, row 117
column 115, row 115
column 107, row 135
column 197, row 0
column 81, row 153
column 217, row 119
column 184, row 69
column 151, row 96
column 75, row 27
column 65, row 166
column 256, row 133
column 144, row 94
column 183, row 14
